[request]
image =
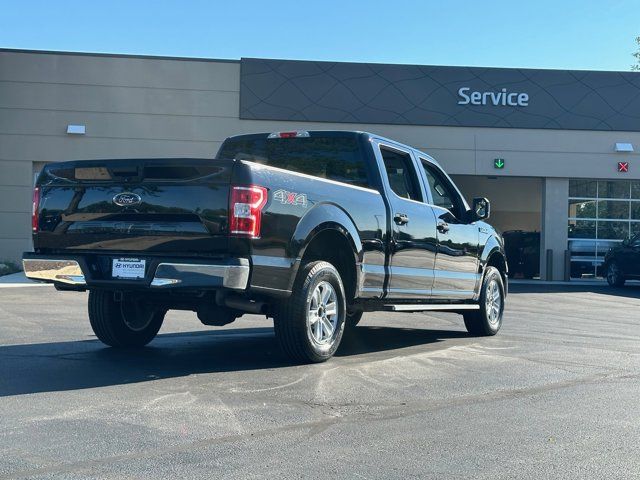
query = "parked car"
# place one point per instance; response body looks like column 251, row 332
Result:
column 622, row 262
column 523, row 252
column 585, row 261
column 310, row 228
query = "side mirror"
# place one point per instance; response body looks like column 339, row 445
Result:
column 481, row 209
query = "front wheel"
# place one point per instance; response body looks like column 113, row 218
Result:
column 615, row 278
column 131, row 322
column 488, row 319
column 309, row 325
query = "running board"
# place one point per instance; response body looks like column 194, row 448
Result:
column 424, row 307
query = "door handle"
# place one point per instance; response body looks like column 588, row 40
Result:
column 443, row 227
column 401, row 219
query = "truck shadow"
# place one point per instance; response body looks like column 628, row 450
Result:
column 74, row 365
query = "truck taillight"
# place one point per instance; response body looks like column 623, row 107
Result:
column 245, row 210
column 34, row 211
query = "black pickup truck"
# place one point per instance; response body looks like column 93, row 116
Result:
column 310, row 228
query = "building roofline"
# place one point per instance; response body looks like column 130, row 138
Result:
column 480, row 67
column 118, row 55
column 238, row 61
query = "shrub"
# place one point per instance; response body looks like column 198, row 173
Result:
column 7, row 267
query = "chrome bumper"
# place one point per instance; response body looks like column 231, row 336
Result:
column 195, row 275
column 166, row 275
column 63, row 271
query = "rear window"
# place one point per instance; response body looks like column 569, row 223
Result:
column 334, row 158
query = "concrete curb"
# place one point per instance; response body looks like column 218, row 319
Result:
column 574, row 283
column 556, row 282
column 18, row 280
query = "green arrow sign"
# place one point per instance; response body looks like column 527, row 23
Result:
column 498, row 163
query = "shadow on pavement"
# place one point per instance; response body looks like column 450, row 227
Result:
column 61, row 366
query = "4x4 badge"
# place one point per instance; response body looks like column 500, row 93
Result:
column 290, row 198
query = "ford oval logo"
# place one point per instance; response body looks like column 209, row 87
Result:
column 127, row 199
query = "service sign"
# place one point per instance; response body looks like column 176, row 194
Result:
column 448, row 96
column 503, row 97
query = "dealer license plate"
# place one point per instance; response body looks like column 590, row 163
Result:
column 127, row 268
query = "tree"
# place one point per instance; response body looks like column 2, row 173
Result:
column 636, row 54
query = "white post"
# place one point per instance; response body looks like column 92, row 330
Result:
column 555, row 195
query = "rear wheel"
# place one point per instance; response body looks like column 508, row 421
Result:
column 488, row 319
column 131, row 322
column 309, row 325
column 615, row 278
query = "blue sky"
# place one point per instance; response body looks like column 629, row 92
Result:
column 597, row 35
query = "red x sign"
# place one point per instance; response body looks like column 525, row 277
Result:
column 623, row 167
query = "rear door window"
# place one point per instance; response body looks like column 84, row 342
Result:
column 401, row 174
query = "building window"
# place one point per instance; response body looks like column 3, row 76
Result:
column 601, row 214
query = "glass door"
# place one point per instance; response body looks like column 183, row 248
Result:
column 602, row 213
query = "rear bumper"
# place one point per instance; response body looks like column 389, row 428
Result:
column 161, row 274
column 201, row 275
column 54, row 270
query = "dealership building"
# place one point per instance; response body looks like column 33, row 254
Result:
column 557, row 152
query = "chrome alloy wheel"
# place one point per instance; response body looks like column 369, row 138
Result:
column 322, row 316
column 493, row 302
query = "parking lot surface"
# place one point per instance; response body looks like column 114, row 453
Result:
column 554, row 395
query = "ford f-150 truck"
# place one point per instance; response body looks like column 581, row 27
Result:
column 310, row 228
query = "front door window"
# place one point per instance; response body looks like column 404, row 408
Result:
column 443, row 193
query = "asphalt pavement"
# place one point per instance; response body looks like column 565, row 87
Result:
column 554, row 395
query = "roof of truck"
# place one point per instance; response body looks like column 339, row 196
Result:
column 341, row 133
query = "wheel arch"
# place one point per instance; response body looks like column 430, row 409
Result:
column 493, row 255
column 328, row 233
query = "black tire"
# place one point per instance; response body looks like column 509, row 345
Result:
column 480, row 322
column 354, row 318
column 128, row 323
column 615, row 278
column 294, row 326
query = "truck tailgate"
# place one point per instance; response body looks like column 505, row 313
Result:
column 174, row 206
